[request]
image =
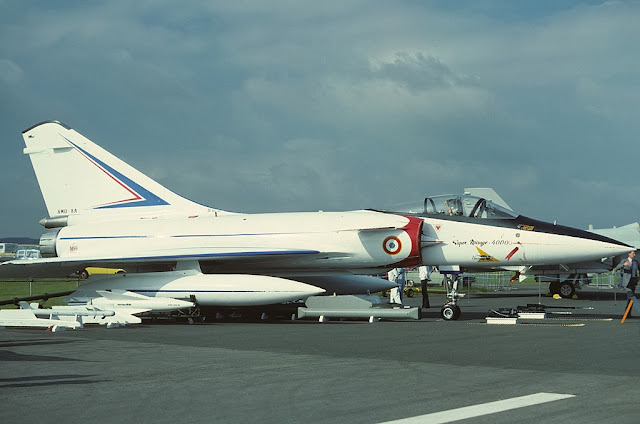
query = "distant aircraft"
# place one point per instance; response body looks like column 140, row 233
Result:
column 103, row 212
column 629, row 234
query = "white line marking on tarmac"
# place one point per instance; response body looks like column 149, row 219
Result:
column 482, row 409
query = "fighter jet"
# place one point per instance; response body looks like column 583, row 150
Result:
column 103, row 212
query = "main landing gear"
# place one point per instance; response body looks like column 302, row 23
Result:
column 565, row 288
column 565, row 285
column 451, row 311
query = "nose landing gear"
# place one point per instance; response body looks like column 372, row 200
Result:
column 451, row 311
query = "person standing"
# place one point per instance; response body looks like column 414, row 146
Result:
column 398, row 276
column 629, row 276
column 424, row 272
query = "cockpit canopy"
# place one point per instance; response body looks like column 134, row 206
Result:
column 455, row 205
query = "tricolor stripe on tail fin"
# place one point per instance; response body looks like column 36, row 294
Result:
column 78, row 177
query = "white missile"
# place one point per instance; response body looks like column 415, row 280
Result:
column 80, row 311
column 119, row 299
column 27, row 318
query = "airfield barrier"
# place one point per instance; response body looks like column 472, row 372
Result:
column 17, row 288
column 604, row 281
column 501, row 281
column 490, row 281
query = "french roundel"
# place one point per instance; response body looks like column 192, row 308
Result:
column 392, row 245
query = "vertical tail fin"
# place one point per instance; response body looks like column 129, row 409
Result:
column 78, row 177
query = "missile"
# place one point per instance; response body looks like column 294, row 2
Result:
column 28, row 318
column 87, row 311
column 119, row 299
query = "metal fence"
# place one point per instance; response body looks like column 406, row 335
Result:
column 496, row 281
column 604, row 281
column 501, row 280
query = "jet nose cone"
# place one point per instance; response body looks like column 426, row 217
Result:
column 612, row 249
column 561, row 244
column 608, row 245
column 589, row 246
column 598, row 249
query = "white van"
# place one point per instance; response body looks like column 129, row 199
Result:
column 27, row 254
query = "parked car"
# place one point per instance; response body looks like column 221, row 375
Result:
column 93, row 270
column 23, row 253
column 410, row 289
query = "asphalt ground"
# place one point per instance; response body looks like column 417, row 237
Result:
column 336, row 372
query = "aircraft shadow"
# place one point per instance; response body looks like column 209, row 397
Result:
column 7, row 355
column 33, row 342
column 48, row 380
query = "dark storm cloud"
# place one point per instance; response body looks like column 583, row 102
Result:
column 288, row 105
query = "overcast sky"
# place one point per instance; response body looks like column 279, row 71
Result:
column 286, row 105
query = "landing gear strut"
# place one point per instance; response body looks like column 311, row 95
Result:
column 450, row 310
column 194, row 314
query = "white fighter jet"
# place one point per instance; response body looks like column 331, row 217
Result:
column 103, row 212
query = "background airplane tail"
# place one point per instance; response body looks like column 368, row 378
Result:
column 78, row 177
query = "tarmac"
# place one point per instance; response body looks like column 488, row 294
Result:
column 579, row 366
